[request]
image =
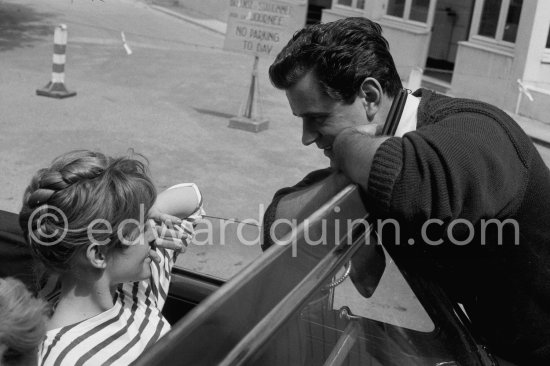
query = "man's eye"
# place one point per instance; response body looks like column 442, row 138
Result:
column 316, row 121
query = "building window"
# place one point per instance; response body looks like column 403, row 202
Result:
column 499, row 19
column 396, row 8
column 416, row 10
column 358, row 4
column 512, row 21
column 419, row 10
column 489, row 18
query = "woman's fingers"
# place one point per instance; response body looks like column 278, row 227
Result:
column 187, row 228
column 173, row 243
column 176, row 237
column 160, row 217
column 165, row 232
column 169, row 220
column 154, row 255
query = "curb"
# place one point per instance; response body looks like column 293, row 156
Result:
column 538, row 132
column 213, row 25
column 540, row 142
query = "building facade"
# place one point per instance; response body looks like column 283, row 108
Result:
column 469, row 48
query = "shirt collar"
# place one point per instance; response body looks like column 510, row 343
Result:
column 408, row 121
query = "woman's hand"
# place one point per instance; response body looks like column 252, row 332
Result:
column 167, row 231
column 160, row 217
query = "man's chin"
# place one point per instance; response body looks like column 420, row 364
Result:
column 332, row 163
column 329, row 154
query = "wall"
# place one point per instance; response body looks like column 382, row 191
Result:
column 408, row 45
column 531, row 42
column 331, row 15
column 542, row 79
column 216, row 9
column 374, row 9
column 485, row 74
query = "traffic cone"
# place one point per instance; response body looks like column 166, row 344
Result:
column 56, row 88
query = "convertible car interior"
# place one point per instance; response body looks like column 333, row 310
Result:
column 295, row 305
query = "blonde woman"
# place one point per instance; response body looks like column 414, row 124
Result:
column 22, row 323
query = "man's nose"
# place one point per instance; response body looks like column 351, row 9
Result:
column 308, row 135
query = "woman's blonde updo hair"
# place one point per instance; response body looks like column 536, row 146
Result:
column 22, row 321
column 81, row 187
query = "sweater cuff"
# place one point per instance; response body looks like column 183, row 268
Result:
column 386, row 167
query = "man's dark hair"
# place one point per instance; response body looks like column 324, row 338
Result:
column 341, row 54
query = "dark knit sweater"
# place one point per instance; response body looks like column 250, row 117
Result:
column 470, row 161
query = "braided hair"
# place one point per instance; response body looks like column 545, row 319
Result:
column 64, row 201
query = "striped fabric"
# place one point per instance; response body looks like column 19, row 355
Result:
column 119, row 335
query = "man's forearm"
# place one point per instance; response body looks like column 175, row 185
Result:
column 353, row 154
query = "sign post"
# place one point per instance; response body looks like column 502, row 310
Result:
column 249, row 108
column 260, row 28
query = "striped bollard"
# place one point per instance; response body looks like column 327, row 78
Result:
column 56, row 87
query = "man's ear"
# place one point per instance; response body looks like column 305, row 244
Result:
column 371, row 92
column 95, row 254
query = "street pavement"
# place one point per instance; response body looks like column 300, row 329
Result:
column 171, row 100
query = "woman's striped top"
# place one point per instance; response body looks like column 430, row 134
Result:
column 119, row 335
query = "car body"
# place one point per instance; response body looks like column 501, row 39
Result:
column 288, row 307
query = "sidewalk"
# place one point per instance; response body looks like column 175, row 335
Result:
column 184, row 14
column 537, row 130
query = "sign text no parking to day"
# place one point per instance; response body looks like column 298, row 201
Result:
column 262, row 27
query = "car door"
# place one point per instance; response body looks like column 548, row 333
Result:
column 292, row 306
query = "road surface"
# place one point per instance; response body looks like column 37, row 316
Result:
column 171, row 100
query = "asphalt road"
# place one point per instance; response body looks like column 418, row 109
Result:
column 170, row 100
